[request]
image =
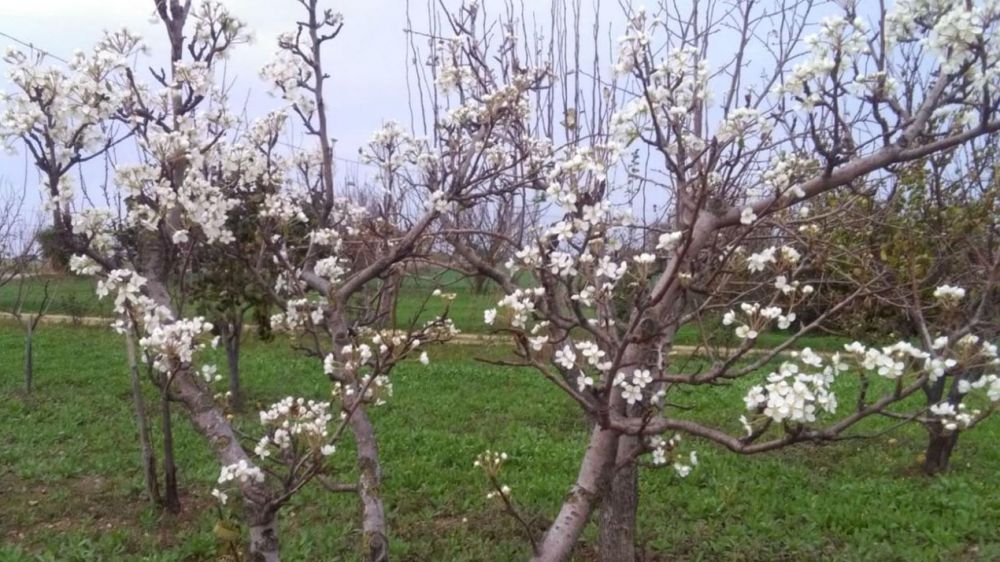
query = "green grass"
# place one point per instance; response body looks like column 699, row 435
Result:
column 68, row 295
column 72, row 489
column 74, row 296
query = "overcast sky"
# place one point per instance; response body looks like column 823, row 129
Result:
column 367, row 62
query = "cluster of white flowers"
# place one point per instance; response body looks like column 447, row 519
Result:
column 591, row 355
column 784, row 172
column 284, row 207
column 740, row 123
column 665, row 450
column 331, row 268
column 585, row 166
column 207, row 207
column 175, row 343
column 895, row 360
column 66, row 105
column 491, row 462
column 669, row 240
column 948, row 295
column 299, row 313
column 990, row 382
column 952, row 417
column 675, row 87
column 95, row 225
column 797, row 392
column 755, row 317
column 951, row 29
column 440, row 329
column 242, row 472
column 632, row 388
column 125, row 284
column 786, row 287
column 452, row 73
column 83, row 265
column 784, row 256
column 296, row 421
column 438, row 201
column 521, row 304
column 375, row 389
column 354, row 356
column 644, row 259
column 838, row 39
column 391, row 148
column 288, row 75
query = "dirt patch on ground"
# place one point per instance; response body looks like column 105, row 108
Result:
column 35, row 512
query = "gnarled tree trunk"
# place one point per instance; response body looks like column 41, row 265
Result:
column 263, row 545
column 939, row 447
column 210, row 421
column 619, row 508
column 595, row 469
column 616, row 537
column 375, row 542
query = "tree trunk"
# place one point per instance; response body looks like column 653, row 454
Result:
column 375, row 543
column 479, row 284
column 939, row 448
column 29, row 368
column 386, row 313
column 211, row 422
column 231, row 336
column 263, row 546
column 145, row 443
column 616, row 537
column 595, row 469
column 171, row 497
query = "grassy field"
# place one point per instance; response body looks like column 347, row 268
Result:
column 74, row 296
column 72, row 489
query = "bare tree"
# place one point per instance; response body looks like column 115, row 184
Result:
column 29, row 322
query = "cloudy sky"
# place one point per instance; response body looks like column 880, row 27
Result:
column 367, row 62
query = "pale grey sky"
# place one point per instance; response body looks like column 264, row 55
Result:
column 367, row 62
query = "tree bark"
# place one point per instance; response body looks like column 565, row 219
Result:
column 619, row 507
column 29, row 367
column 145, row 442
column 938, row 454
column 375, row 543
column 263, row 546
column 616, row 537
column 595, row 469
column 386, row 313
column 171, row 496
column 231, row 336
column 211, row 423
